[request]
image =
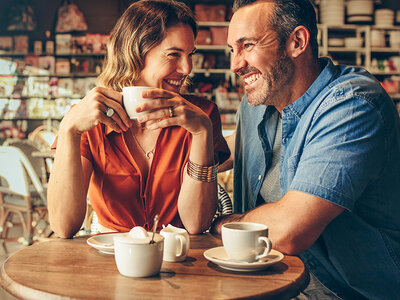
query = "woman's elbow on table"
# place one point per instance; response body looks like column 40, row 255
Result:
column 64, row 231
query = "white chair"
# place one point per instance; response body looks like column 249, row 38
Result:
column 28, row 147
column 21, row 193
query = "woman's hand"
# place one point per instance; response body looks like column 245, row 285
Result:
column 170, row 109
column 92, row 110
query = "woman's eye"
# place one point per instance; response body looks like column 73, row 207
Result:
column 174, row 54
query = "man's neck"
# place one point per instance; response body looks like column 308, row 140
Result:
column 305, row 73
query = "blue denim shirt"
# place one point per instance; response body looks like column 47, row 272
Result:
column 340, row 142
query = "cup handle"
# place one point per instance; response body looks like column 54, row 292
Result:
column 268, row 246
column 182, row 244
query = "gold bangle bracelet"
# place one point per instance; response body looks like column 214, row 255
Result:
column 202, row 173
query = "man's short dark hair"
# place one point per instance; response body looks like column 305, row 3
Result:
column 287, row 15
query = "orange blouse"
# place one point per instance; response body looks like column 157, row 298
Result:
column 118, row 192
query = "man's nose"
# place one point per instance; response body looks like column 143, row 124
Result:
column 237, row 62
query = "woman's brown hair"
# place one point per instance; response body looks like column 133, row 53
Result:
column 141, row 27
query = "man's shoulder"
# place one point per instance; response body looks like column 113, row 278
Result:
column 355, row 80
column 353, row 85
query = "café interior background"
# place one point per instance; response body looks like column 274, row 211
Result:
column 32, row 95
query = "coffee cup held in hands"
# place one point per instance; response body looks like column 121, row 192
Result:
column 132, row 97
column 246, row 242
column 135, row 256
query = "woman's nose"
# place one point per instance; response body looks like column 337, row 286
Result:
column 185, row 66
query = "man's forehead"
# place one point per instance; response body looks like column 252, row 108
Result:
column 250, row 22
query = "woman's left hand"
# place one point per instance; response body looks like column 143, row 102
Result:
column 171, row 109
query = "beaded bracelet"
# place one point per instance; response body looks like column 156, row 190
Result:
column 202, row 173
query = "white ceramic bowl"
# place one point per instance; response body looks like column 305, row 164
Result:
column 137, row 257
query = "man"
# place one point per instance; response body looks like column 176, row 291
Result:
column 316, row 154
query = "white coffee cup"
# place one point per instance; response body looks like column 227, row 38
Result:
column 136, row 257
column 132, row 97
column 246, row 242
column 176, row 243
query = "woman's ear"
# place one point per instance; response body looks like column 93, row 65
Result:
column 298, row 41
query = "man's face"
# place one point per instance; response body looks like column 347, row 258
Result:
column 257, row 57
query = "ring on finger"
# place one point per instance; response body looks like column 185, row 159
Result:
column 109, row 112
column 171, row 111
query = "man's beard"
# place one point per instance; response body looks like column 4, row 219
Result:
column 275, row 82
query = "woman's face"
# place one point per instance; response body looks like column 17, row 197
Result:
column 167, row 65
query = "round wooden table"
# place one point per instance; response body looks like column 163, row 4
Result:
column 71, row 269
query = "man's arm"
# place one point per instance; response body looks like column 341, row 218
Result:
column 228, row 164
column 295, row 222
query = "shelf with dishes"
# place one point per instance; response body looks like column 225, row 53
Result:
column 69, row 75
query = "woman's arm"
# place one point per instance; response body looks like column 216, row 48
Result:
column 68, row 185
column 197, row 200
column 70, row 176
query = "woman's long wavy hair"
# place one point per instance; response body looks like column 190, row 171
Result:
column 141, row 28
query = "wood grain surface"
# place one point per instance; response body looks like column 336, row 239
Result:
column 71, row 269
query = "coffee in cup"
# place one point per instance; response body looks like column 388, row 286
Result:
column 246, row 242
column 132, row 97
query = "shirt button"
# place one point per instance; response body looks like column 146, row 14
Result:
column 259, row 177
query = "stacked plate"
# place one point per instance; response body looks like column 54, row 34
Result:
column 354, row 42
column 378, row 38
column 360, row 11
column 394, row 39
column 332, row 12
column 384, row 17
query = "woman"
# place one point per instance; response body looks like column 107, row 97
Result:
column 135, row 169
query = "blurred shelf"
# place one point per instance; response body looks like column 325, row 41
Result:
column 40, row 97
column 395, row 96
column 385, row 50
column 213, row 24
column 70, row 75
column 385, row 73
column 214, row 71
column 30, row 119
column 346, row 49
column 212, row 47
column 17, row 54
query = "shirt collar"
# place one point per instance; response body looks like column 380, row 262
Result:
column 109, row 130
column 299, row 106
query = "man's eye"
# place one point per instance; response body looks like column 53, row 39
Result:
column 248, row 45
column 174, row 54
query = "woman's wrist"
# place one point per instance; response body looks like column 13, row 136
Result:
column 206, row 128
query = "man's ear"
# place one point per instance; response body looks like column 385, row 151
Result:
column 298, row 41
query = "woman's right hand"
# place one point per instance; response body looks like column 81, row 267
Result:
column 91, row 110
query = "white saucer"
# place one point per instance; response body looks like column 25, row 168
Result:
column 104, row 242
column 218, row 256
